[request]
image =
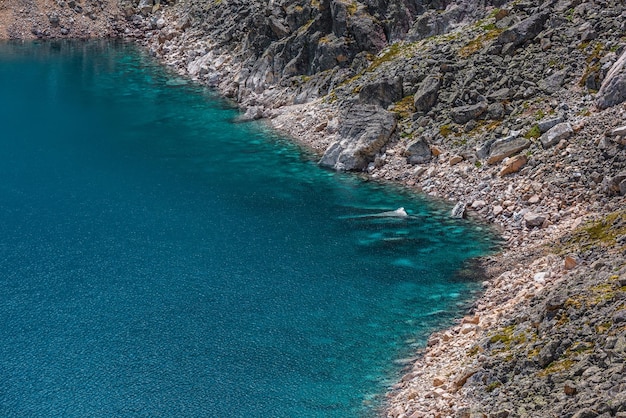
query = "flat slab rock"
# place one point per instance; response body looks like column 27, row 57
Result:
column 505, row 147
column 364, row 130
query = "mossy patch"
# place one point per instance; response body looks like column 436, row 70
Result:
column 445, row 130
column 479, row 42
column 558, row 366
column 599, row 233
column 533, row 133
column 405, row 107
column 493, row 386
column 389, row 54
column 508, row 337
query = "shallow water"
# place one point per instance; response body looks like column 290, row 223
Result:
column 158, row 259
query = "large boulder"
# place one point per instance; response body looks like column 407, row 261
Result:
column 365, row 129
column 418, row 152
column 426, row 96
column 613, row 88
column 617, row 184
column 556, row 134
column 525, row 30
column 464, row 114
column 505, row 147
column 382, row 93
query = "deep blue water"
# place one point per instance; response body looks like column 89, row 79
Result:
column 158, row 259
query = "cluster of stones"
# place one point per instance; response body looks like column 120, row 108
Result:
column 61, row 19
column 547, row 339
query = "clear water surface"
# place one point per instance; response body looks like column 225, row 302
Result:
column 158, row 259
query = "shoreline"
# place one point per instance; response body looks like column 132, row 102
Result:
column 536, row 207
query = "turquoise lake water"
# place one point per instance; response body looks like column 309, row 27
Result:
column 159, row 259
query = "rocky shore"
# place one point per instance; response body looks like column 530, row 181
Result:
column 511, row 110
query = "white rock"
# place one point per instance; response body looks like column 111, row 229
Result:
column 541, row 277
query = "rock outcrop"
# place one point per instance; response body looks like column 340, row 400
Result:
column 364, row 131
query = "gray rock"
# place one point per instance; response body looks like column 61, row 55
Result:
column 615, row 183
column 277, row 27
column 553, row 83
column 619, row 316
column 505, row 147
column 547, row 353
column 363, row 132
column 534, row 219
column 251, row 113
column 145, row 7
column 426, row 96
column 53, row 18
column 464, row 114
column 381, row 93
column 500, row 94
column 458, row 211
column 483, row 151
column 620, row 131
column 613, row 89
column 495, row 111
column 524, row 31
column 418, row 152
column 544, row 125
column 585, row 413
column 556, row 134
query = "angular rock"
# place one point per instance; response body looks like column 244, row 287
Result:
column 53, row 18
column 145, row 7
column 556, row 134
column 534, row 219
column 615, row 183
column 277, row 27
column 620, row 131
column 381, row 93
column 545, row 125
column 463, row 376
column 553, row 83
column 505, row 147
column 364, row 131
column 418, row 152
column 458, row 211
column 483, row 151
column 570, row 388
column 455, row 159
column 613, row 89
column 569, row 263
column 252, row 113
column 525, row 30
column 464, row 114
column 426, row 96
column 513, row 165
column 547, row 353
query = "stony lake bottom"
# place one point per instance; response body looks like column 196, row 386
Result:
column 157, row 258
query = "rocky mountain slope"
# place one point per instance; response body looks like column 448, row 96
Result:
column 512, row 110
